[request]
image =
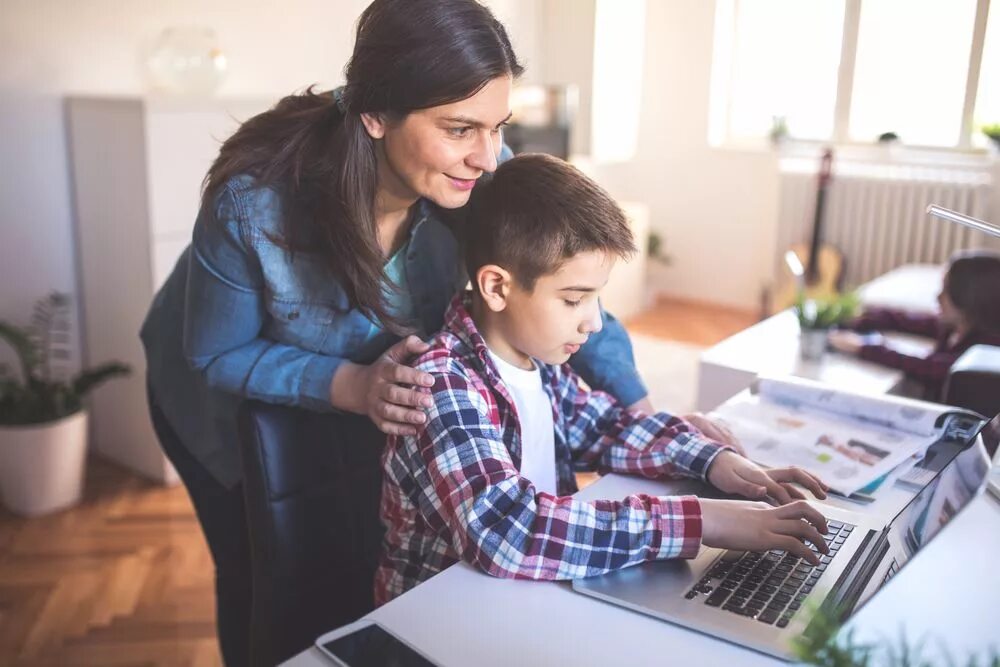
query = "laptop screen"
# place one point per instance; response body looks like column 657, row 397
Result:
column 938, row 502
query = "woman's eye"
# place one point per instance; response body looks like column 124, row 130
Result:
column 459, row 131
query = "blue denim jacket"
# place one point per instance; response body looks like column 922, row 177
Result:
column 241, row 317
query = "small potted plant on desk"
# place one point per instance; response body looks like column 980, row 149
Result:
column 43, row 423
column 817, row 317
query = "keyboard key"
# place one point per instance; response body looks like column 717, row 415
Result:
column 717, row 598
column 834, row 524
column 782, row 622
column 768, row 616
column 690, row 595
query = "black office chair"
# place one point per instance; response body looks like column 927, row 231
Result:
column 312, row 487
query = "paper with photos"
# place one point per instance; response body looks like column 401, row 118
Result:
column 848, row 440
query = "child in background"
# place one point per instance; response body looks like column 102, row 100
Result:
column 970, row 315
column 489, row 478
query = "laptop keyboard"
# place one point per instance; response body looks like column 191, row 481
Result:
column 769, row 586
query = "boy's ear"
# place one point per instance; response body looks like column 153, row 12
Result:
column 374, row 124
column 493, row 283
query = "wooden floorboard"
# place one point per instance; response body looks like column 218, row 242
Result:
column 125, row 579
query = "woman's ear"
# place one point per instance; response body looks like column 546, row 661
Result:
column 493, row 283
column 374, row 124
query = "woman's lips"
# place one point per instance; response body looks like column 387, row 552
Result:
column 462, row 183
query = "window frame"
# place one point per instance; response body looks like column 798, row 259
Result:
column 728, row 11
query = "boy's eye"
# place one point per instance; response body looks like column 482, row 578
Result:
column 459, row 131
column 572, row 304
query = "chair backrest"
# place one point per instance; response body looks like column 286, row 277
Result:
column 312, row 486
column 974, row 380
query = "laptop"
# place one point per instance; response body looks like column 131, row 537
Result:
column 756, row 599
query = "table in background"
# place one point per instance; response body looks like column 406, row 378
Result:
column 771, row 347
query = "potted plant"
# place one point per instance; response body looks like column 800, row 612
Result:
column 43, row 422
column 816, row 318
column 992, row 131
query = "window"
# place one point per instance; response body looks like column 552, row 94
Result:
column 850, row 70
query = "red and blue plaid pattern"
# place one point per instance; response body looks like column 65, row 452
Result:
column 453, row 491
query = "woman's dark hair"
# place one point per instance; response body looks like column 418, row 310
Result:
column 408, row 55
column 973, row 285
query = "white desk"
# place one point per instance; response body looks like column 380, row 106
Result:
column 771, row 347
column 462, row 617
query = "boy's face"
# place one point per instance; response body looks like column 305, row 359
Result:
column 554, row 319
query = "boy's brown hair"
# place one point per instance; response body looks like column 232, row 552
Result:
column 538, row 211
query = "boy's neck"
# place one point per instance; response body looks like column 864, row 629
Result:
column 488, row 323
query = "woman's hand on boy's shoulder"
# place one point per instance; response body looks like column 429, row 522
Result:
column 733, row 473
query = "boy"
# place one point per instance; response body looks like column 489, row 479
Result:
column 489, row 478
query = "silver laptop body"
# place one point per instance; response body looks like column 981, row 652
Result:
column 869, row 553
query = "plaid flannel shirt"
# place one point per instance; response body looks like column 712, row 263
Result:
column 453, row 492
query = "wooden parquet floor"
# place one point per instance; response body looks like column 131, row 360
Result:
column 125, row 579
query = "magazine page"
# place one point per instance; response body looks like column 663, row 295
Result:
column 893, row 412
column 848, row 454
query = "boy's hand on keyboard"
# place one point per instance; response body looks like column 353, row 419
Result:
column 740, row 524
column 733, row 473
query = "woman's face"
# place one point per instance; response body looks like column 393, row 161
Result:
column 440, row 152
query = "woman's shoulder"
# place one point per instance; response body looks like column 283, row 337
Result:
column 252, row 205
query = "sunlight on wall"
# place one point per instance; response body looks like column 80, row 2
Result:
column 619, row 47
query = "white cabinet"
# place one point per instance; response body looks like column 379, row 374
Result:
column 137, row 166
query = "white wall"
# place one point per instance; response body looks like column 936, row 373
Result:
column 51, row 48
column 717, row 210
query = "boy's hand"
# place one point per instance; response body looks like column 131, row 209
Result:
column 714, row 430
column 733, row 473
column 738, row 524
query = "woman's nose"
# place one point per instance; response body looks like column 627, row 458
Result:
column 484, row 155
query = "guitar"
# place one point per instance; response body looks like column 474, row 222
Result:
column 815, row 271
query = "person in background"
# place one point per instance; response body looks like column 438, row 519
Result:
column 969, row 315
column 489, row 478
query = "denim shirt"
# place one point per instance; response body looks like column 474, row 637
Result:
column 241, row 317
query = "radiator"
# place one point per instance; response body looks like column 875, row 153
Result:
column 875, row 213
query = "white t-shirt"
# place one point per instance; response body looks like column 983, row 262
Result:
column 534, row 411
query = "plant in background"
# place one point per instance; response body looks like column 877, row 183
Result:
column 40, row 393
column 824, row 313
column 993, row 132
column 655, row 251
column 822, row 644
column 779, row 129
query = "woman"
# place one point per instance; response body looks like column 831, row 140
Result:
column 327, row 234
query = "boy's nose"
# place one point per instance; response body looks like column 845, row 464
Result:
column 594, row 323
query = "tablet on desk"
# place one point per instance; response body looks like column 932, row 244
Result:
column 365, row 643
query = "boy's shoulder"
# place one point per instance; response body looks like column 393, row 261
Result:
column 450, row 356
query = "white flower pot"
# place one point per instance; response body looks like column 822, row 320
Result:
column 41, row 466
